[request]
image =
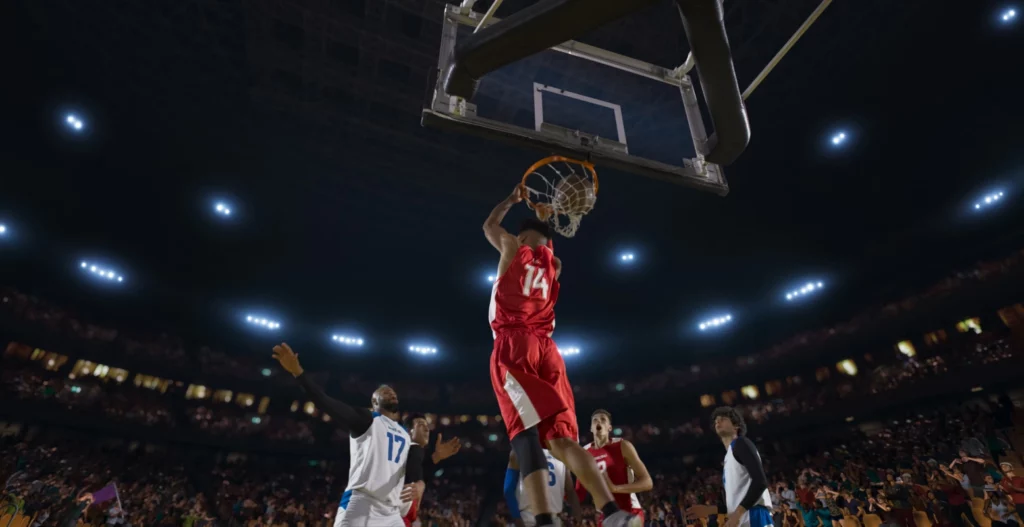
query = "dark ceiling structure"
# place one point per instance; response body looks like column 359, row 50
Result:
column 351, row 215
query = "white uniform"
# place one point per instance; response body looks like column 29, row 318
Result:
column 376, row 475
column 736, row 479
column 555, row 489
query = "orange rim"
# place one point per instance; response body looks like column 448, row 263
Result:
column 555, row 159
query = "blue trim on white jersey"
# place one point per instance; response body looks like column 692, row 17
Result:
column 347, row 495
column 760, row 516
column 375, row 414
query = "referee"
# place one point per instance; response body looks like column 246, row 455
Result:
column 747, row 502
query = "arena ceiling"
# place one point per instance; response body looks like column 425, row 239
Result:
column 350, row 214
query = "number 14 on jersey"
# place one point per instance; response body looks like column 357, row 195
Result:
column 535, row 280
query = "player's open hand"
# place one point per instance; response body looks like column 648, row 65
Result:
column 412, row 492
column 289, row 359
column 445, row 449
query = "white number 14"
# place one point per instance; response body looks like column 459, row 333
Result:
column 535, row 280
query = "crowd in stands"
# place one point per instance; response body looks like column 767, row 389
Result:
column 954, row 464
column 170, row 350
column 889, row 471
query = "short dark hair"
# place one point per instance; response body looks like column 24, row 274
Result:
column 733, row 415
column 410, row 420
column 533, row 224
column 601, row 411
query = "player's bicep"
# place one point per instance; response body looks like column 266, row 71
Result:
column 634, row 462
column 558, row 268
column 498, row 236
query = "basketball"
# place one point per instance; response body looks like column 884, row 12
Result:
column 574, row 195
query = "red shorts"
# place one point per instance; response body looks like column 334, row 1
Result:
column 636, row 512
column 529, row 380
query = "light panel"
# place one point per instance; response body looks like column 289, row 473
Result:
column 423, row 350
column 807, row 289
column 101, row 272
column 347, row 340
column 74, row 122
column 990, row 200
column 262, row 322
column 715, row 322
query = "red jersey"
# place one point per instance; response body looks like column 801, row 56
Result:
column 610, row 460
column 524, row 297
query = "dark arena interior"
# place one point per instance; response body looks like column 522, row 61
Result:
column 820, row 234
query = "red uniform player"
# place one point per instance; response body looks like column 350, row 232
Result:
column 618, row 460
column 527, row 371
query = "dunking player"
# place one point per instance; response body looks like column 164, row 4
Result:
column 527, row 372
column 558, row 486
column 747, row 501
column 618, row 459
column 382, row 455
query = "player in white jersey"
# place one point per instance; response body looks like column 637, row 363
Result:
column 559, row 489
column 383, row 457
column 747, row 500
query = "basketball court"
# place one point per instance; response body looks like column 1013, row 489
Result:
column 524, row 80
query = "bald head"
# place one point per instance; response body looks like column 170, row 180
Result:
column 384, row 400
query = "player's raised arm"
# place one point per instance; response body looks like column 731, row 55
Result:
column 356, row 420
column 642, row 481
column 496, row 234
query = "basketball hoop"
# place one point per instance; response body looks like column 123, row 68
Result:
column 561, row 191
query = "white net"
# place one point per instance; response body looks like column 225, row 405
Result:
column 561, row 191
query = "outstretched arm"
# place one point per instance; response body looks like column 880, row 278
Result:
column 496, row 234
column 356, row 420
column 642, row 481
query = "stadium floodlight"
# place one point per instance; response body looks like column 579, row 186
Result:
column 99, row 271
column 491, row 278
column 627, row 257
column 423, row 350
column 74, row 122
column 262, row 322
column 3, row 230
column 989, row 200
column 806, row 289
column 568, row 351
column 347, row 340
column 222, row 209
column 715, row 322
column 839, row 138
column 1009, row 15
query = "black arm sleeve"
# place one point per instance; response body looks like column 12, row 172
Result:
column 746, row 454
column 356, row 420
column 414, row 464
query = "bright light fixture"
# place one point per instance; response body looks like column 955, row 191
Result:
column 347, row 340
column 262, row 322
column 806, row 289
column 715, row 322
column 100, row 272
